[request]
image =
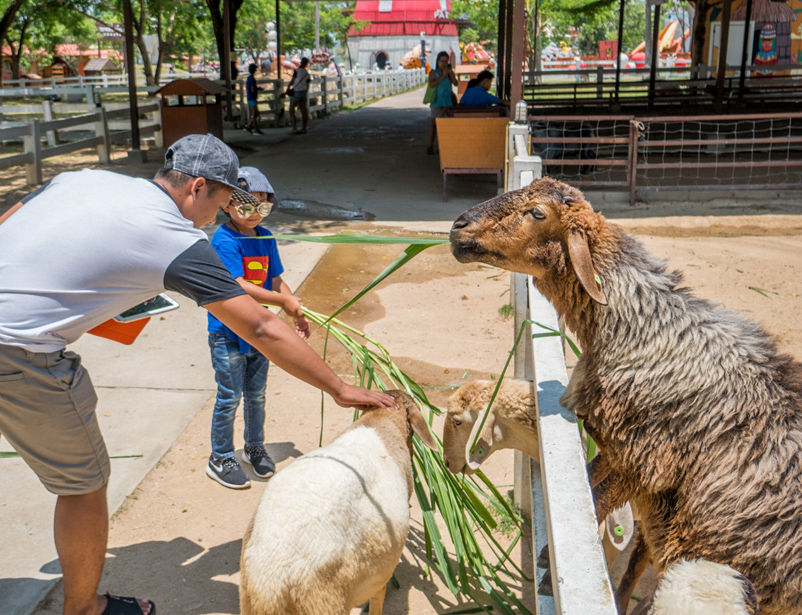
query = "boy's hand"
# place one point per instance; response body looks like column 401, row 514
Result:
column 292, row 307
column 303, row 328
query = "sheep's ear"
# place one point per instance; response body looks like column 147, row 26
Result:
column 583, row 267
column 421, row 428
column 484, row 445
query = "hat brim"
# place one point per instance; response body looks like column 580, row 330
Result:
column 243, row 197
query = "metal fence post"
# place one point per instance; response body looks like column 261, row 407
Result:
column 32, row 145
column 102, row 130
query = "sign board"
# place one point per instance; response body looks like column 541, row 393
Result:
column 111, row 32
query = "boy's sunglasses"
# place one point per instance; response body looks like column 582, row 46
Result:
column 244, row 210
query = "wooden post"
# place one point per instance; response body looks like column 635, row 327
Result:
column 325, row 94
column 721, row 73
column 655, row 53
column 102, row 130
column 32, row 145
column 47, row 112
column 633, row 162
column 517, row 52
column 745, row 51
column 158, row 136
column 619, row 50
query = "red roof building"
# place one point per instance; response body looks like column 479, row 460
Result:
column 397, row 26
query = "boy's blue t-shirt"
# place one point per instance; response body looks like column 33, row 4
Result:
column 256, row 260
column 250, row 88
column 477, row 96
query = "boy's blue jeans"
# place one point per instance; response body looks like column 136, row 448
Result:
column 237, row 374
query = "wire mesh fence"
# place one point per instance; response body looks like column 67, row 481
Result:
column 726, row 152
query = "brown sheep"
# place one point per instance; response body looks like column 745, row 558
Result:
column 697, row 412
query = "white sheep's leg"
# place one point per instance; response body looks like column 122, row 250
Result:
column 377, row 602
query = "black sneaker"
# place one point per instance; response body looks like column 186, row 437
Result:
column 256, row 131
column 257, row 456
column 247, row 129
column 227, row 472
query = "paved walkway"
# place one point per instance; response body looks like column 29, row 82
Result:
column 373, row 159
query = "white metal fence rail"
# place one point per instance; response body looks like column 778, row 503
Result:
column 554, row 489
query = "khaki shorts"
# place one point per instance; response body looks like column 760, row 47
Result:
column 47, row 413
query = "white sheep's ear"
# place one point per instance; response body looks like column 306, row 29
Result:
column 484, row 445
column 421, row 428
column 583, row 267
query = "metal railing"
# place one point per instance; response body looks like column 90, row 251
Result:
column 678, row 152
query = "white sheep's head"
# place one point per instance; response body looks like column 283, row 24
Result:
column 508, row 425
column 542, row 230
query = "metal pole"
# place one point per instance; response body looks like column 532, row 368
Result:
column 655, row 52
column 226, row 59
column 745, row 51
column 128, row 18
column 620, row 50
column 722, row 54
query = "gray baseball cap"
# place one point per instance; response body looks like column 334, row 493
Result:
column 208, row 157
column 256, row 180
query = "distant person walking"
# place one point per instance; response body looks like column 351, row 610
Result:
column 298, row 91
column 252, row 94
column 441, row 79
column 266, row 63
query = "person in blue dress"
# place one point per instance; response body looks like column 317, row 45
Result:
column 477, row 94
column 441, row 79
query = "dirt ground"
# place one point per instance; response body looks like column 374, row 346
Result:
column 178, row 537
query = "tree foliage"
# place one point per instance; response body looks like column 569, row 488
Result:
column 483, row 18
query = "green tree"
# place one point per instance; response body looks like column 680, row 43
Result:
column 252, row 27
column 483, row 18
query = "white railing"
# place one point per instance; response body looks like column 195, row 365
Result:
column 553, row 491
column 107, row 125
column 330, row 92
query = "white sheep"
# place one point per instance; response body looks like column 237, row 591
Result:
column 331, row 526
column 701, row 587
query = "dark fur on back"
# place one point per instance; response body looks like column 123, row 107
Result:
column 692, row 404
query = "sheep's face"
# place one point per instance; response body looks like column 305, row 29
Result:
column 464, row 407
column 540, row 230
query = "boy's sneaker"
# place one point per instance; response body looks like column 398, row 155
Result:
column 247, row 129
column 256, row 131
column 257, row 456
column 227, row 472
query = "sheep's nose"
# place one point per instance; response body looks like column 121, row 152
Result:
column 448, row 465
column 460, row 223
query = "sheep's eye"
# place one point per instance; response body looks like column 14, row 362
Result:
column 457, row 422
column 537, row 214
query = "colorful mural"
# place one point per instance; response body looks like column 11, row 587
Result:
column 776, row 32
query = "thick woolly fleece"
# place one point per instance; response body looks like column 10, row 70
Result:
column 697, row 413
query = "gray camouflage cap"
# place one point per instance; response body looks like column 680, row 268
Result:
column 208, row 157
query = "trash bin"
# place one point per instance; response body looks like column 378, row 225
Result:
column 191, row 106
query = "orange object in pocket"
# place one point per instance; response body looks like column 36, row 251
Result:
column 123, row 332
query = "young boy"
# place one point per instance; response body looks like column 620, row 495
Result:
column 239, row 369
column 252, row 93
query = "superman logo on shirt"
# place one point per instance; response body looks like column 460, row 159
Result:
column 255, row 269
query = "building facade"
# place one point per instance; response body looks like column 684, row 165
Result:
column 397, row 26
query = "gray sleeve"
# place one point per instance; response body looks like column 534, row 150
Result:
column 35, row 193
column 198, row 273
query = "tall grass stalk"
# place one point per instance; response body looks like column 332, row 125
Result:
column 463, row 505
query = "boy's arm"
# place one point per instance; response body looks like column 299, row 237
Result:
column 302, row 326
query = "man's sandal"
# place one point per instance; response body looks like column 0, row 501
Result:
column 119, row 605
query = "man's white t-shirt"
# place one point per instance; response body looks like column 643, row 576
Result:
column 91, row 245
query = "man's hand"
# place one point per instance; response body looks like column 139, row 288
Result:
column 356, row 397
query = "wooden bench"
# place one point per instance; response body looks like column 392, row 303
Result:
column 471, row 145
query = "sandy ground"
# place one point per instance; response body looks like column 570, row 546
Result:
column 178, row 537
